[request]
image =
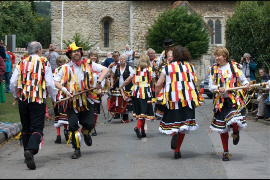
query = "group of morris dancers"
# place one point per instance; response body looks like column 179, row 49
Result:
column 168, row 81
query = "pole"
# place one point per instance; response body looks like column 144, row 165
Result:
column 62, row 24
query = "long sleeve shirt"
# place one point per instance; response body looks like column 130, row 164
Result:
column 243, row 80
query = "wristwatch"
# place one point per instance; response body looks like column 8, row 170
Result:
column 99, row 82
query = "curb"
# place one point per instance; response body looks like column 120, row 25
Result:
column 3, row 137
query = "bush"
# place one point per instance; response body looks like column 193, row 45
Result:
column 80, row 41
column 184, row 29
column 248, row 31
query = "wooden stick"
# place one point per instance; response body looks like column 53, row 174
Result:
column 244, row 87
column 75, row 95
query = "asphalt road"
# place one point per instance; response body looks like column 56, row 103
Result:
column 117, row 153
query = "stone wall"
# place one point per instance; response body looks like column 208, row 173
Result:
column 87, row 18
column 143, row 14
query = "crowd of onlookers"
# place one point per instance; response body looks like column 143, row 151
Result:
column 263, row 106
column 7, row 59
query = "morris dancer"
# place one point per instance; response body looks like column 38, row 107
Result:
column 163, row 61
column 141, row 93
column 60, row 116
column 227, row 104
column 78, row 76
column 29, row 82
column 93, row 56
column 119, row 75
column 181, row 97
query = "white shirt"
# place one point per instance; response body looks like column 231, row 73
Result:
column 130, row 52
column 243, row 80
column 78, row 71
column 121, row 78
column 48, row 78
column 95, row 76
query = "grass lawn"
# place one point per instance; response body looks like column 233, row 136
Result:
column 10, row 113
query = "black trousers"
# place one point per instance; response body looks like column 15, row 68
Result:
column 85, row 118
column 32, row 118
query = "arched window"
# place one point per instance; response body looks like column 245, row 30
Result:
column 215, row 23
column 210, row 23
column 106, row 33
column 217, row 32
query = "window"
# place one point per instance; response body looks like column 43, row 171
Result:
column 210, row 23
column 106, row 33
column 217, row 32
column 215, row 23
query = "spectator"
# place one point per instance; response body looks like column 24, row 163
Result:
column 11, row 55
column 2, row 50
column 8, row 72
column 51, row 55
column 267, row 103
column 108, row 60
column 248, row 67
column 261, row 106
column 2, row 71
column 129, row 53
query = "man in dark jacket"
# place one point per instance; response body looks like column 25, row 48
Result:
column 2, row 50
column 248, row 67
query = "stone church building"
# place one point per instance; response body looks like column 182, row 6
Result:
column 112, row 24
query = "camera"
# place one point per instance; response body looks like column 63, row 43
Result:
column 244, row 59
column 51, row 50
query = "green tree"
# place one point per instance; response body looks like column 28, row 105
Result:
column 80, row 41
column 43, row 8
column 185, row 29
column 248, row 31
column 18, row 17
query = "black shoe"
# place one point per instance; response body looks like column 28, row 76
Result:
column 29, row 159
column 225, row 156
column 77, row 154
column 58, row 139
column 87, row 139
column 66, row 134
column 177, row 155
column 139, row 134
column 116, row 116
column 236, row 137
column 174, row 140
column 143, row 134
column 94, row 133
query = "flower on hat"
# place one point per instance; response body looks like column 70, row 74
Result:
column 73, row 47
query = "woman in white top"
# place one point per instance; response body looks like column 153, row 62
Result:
column 227, row 104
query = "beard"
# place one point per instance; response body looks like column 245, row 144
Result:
column 76, row 58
